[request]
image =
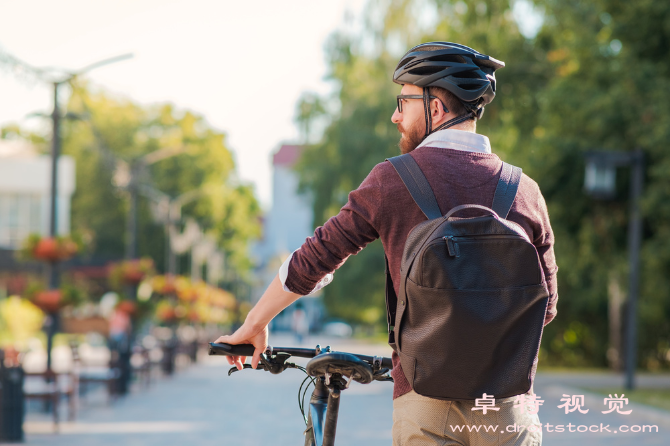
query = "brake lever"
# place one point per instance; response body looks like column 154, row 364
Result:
column 274, row 365
column 382, row 378
column 382, row 375
column 245, row 366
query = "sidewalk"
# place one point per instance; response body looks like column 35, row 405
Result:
column 552, row 387
column 201, row 405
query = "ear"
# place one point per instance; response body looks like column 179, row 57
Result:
column 437, row 110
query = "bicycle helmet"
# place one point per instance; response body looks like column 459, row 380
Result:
column 466, row 73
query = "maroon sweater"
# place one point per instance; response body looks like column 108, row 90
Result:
column 382, row 207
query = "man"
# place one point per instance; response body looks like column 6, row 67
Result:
column 445, row 87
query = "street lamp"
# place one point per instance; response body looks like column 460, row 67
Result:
column 169, row 211
column 56, row 143
column 128, row 175
column 55, row 153
column 56, row 78
column 600, row 178
column 600, row 183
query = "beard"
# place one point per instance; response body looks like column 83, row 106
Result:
column 410, row 137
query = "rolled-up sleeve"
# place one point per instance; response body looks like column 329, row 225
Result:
column 343, row 235
column 532, row 214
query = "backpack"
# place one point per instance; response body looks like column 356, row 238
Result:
column 470, row 312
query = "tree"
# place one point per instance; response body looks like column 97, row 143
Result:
column 594, row 77
column 361, row 134
column 610, row 81
column 111, row 131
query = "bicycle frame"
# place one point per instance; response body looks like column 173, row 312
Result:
column 324, row 406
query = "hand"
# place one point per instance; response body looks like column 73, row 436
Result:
column 247, row 334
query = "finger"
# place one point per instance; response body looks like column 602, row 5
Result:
column 223, row 340
column 239, row 360
column 230, row 360
column 256, row 358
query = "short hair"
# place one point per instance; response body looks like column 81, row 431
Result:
column 453, row 104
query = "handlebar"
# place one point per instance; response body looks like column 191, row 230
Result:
column 231, row 350
column 248, row 350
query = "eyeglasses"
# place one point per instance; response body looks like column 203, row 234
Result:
column 400, row 98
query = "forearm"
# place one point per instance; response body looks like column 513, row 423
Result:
column 273, row 301
column 340, row 237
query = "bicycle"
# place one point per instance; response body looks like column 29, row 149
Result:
column 329, row 371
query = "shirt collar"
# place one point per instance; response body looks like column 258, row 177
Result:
column 458, row 140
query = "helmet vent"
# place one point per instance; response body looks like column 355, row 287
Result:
column 424, row 71
column 470, row 87
column 466, row 75
column 404, row 62
column 449, row 58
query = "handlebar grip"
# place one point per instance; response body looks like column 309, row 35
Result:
column 387, row 363
column 231, row 350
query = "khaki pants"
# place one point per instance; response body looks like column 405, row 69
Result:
column 423, row 421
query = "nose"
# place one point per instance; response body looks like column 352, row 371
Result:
column 397, row 116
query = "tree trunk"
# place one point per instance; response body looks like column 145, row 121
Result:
column 615, row 301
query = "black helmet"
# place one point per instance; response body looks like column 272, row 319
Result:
column 457, row 68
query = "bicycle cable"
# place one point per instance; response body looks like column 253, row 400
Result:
column 301, row 400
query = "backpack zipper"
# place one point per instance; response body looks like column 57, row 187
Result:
column 452, row 246
column 454, row 250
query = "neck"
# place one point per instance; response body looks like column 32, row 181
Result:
column 467, row 126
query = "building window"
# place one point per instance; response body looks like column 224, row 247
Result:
column 20, row 215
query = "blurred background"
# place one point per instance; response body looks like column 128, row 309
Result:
column 160, row 159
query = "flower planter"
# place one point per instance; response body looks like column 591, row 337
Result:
column 165, row 285
column 47, row 250
column 48, row 301
column 193, row 316
column 130, row 272
column 127, row 307
column 94, row 324
column 50, row 249
column 133, row 277
column 166, row 314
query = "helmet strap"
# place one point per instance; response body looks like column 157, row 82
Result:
column 446, row 125
column 453, row 122
column 426, row 112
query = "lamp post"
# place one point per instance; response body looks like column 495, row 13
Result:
column 174, row 216
column 169, row 212
column 56, row 78
column 128, row 176
column 599, row 183
column 54, row 277
column 56, row 143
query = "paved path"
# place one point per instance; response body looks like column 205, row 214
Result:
column 552, row 387
column 201, row 405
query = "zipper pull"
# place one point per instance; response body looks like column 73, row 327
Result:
column 452, row 247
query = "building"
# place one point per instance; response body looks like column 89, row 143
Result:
column 25, row 195
column 290, row 221
column 285, row 228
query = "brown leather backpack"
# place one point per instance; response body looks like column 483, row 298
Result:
column 470, row 312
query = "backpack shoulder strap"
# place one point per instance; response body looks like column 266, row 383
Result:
column 508, row 184
column 391, row 303
column 417, row 184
